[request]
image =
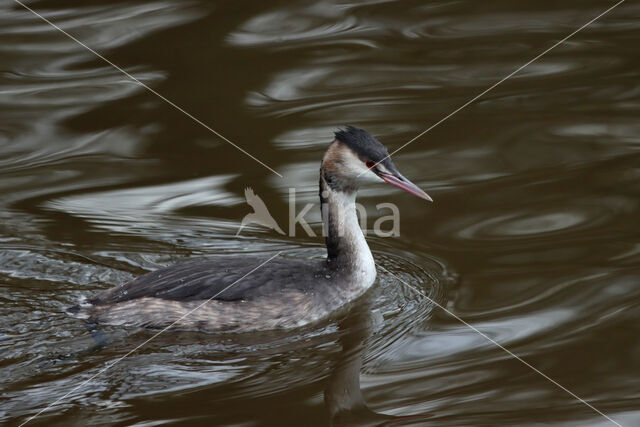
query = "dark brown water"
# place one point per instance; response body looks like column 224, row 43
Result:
column 533, row 238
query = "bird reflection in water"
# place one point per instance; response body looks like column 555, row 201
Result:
column 344, row 402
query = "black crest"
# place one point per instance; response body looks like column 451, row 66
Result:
column 365, row 146
column 360, row 141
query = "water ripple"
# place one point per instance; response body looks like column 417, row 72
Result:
column 313, row 22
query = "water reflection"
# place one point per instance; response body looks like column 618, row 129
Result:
column 344, row 402
column 536, row 189
column 135, row 209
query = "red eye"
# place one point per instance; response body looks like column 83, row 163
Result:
column 370, row 164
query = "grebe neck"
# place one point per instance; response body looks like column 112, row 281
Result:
column 347, row 248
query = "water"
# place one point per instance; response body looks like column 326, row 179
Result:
column 532, row 239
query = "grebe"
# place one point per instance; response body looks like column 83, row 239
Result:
column 282, row 294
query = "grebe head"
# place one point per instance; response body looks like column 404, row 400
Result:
column 355, row 157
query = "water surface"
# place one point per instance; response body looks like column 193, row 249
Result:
column 533, row 237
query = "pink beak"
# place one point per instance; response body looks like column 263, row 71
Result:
column 406, row 185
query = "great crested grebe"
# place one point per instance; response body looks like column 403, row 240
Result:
column 282, row 294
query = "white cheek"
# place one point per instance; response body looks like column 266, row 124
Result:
column 367, row 176
column 357, row 170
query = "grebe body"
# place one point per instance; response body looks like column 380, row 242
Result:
column 283, row 293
